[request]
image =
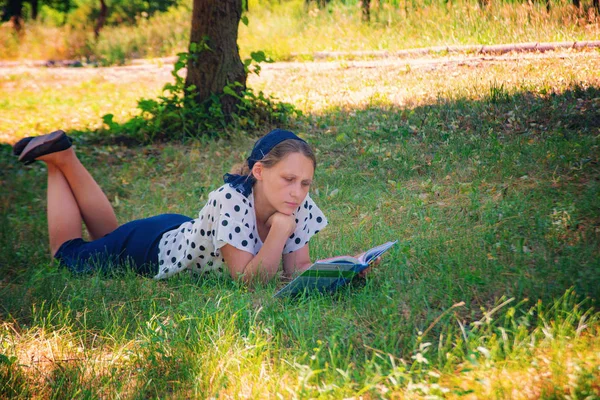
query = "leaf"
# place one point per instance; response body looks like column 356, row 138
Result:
column 5, row 360
column 179, row 65
column 245, row 20
column 170, row 87
column 341, row 138
column 228, row 90
column 259, row 56
column 108, row 119
column 147, row 105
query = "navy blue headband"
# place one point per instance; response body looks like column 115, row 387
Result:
column 262, row 147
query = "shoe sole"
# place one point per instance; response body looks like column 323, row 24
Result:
column 44, row 140
column 20, row 145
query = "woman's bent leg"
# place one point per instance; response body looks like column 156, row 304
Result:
column 94, row 207
column 64, row 219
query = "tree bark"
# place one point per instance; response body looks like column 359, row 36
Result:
column 215, row 25
column 320, row 3
column 14, row 13
column 34, row 9
column 101, row 19
column 65, row 8
column 366, row 10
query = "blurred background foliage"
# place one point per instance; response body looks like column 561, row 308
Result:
column 78, row 13
column 86, row 12
column 111, row 32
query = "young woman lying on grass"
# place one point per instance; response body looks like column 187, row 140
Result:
column 249, row 224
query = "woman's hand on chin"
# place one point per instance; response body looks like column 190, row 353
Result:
column 282, row 223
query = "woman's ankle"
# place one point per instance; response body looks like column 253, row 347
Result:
column 60, row 158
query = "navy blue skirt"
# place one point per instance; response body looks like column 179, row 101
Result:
column 134, row 244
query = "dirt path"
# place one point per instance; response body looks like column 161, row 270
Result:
column 432, row 62
column 160, row 69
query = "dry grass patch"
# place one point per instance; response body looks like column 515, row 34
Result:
column 61, row 360
column 557, row 369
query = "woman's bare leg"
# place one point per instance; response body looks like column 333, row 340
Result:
column 64, row 218
column 94, row 207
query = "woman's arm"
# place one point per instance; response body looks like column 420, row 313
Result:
column 298, row 260
column 264, row 265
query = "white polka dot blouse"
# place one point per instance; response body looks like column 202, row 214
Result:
column 227, row 218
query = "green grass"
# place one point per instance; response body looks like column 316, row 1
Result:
column 287, row 30
column 487, row 173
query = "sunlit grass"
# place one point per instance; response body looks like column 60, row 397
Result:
column 291, row 30
column 73, row 97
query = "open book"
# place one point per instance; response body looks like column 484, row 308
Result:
column 331, row 273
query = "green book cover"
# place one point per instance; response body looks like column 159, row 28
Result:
column 332, row 273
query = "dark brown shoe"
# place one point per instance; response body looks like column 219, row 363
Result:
column 20, row 145
column 42, row 145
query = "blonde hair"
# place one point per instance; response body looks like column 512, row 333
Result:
column 277, row 154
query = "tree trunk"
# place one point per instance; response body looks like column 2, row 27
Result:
column 14, row 13
column 366, row 10
column 217, row 63
column 101, row 19
column 320, row 3
column 34, row 9
column 66, row 7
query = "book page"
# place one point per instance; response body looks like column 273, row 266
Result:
column 346, row 259
column 371, row 255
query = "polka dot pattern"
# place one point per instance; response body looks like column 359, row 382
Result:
column 227, row 218
column 309, row 221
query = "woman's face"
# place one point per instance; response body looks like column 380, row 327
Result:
column 286, row 184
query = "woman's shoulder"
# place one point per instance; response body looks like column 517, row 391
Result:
column 227, row 198
column 227, row 192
